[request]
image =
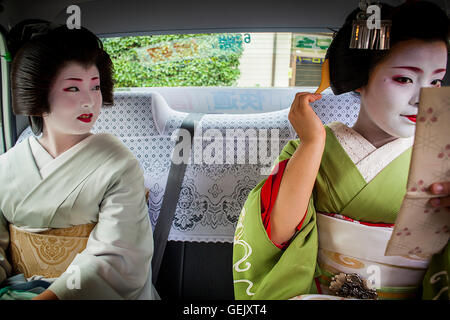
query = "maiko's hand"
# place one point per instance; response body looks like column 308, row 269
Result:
column 443, row 189
column 304, row 120
column 46, row 295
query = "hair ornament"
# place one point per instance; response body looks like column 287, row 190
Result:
column 32, row 30
column 368, row 30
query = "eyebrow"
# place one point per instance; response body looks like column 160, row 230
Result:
column 78, row 79
column 418, row 70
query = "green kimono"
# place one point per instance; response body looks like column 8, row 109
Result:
column 262, row 271
column 101, row 182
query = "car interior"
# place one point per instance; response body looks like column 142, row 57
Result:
column 232, row 120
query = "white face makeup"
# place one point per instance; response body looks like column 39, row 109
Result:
column 75, row 92
column 391, row 97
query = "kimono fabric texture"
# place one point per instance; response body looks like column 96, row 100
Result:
column 354, row 202
column 97, row 185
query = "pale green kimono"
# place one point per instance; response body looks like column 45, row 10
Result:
column 100, row 182
column 263, row 271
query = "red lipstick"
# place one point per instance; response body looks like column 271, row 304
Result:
column 85, row 117
column 411, row 117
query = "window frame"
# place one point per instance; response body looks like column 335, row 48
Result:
column 7, row 123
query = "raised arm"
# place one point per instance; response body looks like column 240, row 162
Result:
column 301, row 170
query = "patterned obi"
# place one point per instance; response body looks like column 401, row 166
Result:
column 351, row 247
column 47, row 253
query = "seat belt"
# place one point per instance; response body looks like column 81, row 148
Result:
column 171, row 196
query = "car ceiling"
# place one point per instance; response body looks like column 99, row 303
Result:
column 119, row 17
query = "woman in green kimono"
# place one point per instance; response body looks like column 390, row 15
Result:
column 72, row 204
column 330, row 203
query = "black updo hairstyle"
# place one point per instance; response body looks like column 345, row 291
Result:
column 38, row 61
column 350, row 68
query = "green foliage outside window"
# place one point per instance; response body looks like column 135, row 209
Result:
column 175, row 60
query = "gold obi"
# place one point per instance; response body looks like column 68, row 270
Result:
column 46, row 253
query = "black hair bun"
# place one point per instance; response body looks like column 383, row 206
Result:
column 26, row 30
column 350, row 68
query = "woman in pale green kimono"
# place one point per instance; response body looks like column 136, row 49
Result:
column 331, row 201
column 72, row 204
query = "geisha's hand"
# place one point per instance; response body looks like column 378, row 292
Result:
column 440, row 188
column 46, row 295
column 304, row 120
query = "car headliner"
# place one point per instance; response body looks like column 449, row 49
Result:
column 138, row 17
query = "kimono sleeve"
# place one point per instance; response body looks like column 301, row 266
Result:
column 5, row 267
column 269, row 193
column 436, row 282
column 116, row 261
column 261, row 270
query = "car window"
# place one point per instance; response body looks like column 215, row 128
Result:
column 243, row 60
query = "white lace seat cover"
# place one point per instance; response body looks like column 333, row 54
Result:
column 212, row 195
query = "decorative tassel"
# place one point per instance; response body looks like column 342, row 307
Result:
column 352, row 286
column 364, row 37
